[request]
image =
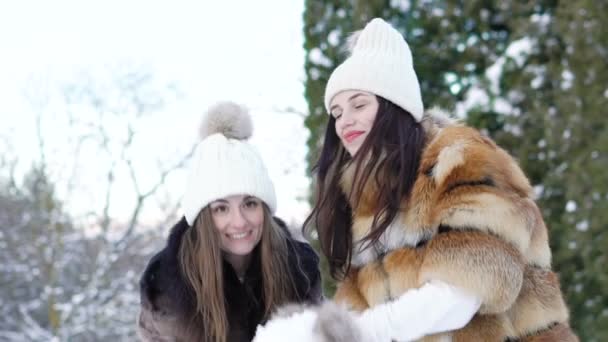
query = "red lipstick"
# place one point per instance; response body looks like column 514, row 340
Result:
column 352, row 135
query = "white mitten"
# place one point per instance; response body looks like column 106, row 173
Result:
column 435, row 307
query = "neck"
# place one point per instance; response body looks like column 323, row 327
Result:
column 239, row 263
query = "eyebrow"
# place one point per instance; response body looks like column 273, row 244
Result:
column 349, row 99
column 355, row 96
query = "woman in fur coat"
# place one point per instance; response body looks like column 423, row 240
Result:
column 408, row 199
column 228, row 263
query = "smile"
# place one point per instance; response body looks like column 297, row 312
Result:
column 239, row 236
column 350, row 136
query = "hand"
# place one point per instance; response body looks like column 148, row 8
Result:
column 435, row 307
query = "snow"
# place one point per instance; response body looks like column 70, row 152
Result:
column 541, row 20
column 316, row 56
column 538, row 190
column 333, row 38
column 567, row 78
column 475, row 97
column 582, row 226
column 571, row 206
column 402, row 5
column 502, row 106
column 518, row 51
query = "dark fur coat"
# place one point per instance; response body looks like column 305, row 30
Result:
column 168, row 304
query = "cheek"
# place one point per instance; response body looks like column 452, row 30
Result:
column 219, row 222
column 257, row 217
column 370, row 117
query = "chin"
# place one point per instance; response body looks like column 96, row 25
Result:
column 352, row 150
column 241, row 250
column 242, row 247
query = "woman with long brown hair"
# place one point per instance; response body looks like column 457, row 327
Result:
column 414, row 207
column 228, row 262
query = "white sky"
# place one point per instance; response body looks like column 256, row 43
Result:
column 245, row 51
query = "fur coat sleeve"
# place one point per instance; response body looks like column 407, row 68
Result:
column 304, row 263
column 150, row 329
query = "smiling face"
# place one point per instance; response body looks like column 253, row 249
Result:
column 239, row 220
column 355, row 112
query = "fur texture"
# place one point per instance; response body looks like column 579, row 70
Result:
column 335, row 324
column 320, row 323
column 228, row 118
column 470, row 222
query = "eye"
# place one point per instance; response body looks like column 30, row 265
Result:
column 219, row 209
column 251, row 203
column 360, row 105
column 336, row 114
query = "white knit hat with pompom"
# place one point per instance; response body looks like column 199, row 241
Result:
column 380, row 63
column 224, row 163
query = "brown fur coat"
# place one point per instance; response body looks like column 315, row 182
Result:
column 470, row 222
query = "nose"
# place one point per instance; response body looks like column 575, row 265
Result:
column 346, row 120
column 238, row 220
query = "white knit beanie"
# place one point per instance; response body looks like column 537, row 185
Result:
column 380, row 63
column 224, row 163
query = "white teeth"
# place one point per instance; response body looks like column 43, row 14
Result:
column 238, row 236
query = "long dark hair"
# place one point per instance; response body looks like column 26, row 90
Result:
column 389, row 157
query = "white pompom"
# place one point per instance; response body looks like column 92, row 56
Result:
column 321, row 323
column 228, row 118
column 297, row 327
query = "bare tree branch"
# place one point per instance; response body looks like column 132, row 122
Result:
column 101, row 120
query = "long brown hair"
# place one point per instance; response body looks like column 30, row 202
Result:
column 389, row 157
column 201, row 264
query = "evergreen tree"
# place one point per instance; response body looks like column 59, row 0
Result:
column 560, row 138
column 33, row 229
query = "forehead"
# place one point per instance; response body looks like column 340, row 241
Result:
column 345, row 96
column 233, row 198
